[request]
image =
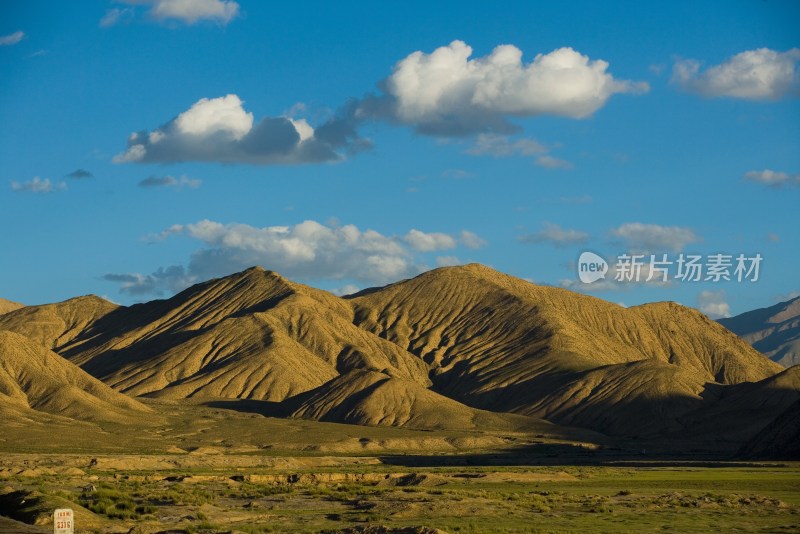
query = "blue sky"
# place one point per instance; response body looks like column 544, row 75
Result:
column 352, row 144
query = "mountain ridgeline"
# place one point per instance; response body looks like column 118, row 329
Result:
column 457, row 347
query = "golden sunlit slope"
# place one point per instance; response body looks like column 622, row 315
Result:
column 775, row 331
column 8, row 305
column 500, row 343
column 251, row 335
column 55, row 325
column 34, row 378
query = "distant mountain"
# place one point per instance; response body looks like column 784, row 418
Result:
column 7, row 306
column 36, row 380
column 458, row 347
column 774, row 331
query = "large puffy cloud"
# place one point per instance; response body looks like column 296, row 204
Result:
column 219, row 129
column 444, row 93
column 760, row 74
column 654, row 238
column 447, row 93
column 307, row 251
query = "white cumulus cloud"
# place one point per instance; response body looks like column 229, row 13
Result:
column 713, row 304
column 447, row 92
column 210, row 116
column 653, row 237
column 760, row 74
column 428, row 242
column 185, row 11
column 308, row 251
column 221, row 130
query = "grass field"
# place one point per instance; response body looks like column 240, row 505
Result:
column 334, row 493
column 199, row 469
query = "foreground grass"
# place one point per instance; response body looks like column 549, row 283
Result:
column 754, row 498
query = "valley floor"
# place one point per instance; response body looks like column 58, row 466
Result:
column 354, row 495
column 200, row 469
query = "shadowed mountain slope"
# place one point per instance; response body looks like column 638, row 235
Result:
column 774, row 331
column 779, row 439
column 34, row 378
column 372, row 398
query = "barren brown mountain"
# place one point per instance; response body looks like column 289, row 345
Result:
column 442, row 350
column 34, row 379
column 8, row 305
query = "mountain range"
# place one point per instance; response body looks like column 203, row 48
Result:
column 457, row 347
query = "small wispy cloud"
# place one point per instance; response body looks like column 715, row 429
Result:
column 37, row 185
column 456, row 174
column 116, row 16
column 774, row 179
column 502, row 146
column 472, row 240
column 12, row 38
column 549, row 162
column 80, row 174
column 180, row 182
column 556, row 236
column 581, row 199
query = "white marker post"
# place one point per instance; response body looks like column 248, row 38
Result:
column 63, row 521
